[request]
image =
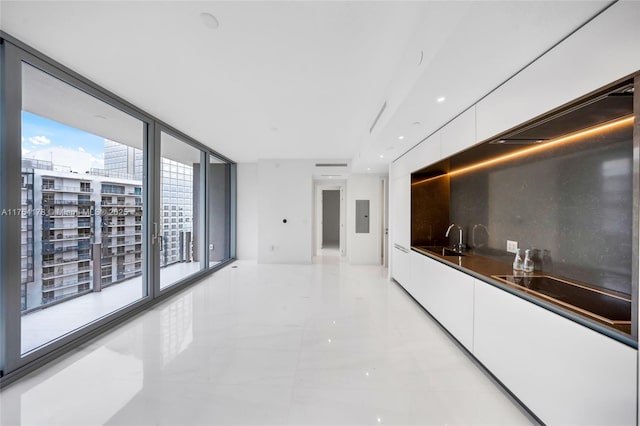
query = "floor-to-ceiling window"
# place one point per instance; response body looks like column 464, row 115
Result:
column 180, row 228
column 105, row 209
column 218, row 202
column 81, row 208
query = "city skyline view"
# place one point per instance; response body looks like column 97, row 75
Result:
column 82, row 221
column 62, row 145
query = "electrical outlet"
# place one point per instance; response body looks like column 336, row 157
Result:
column 512, row 246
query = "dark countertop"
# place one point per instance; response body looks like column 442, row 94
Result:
column 566, row 303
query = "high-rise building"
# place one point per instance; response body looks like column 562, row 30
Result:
column 70, row 219
column 68, row 226
column 26, row 230
column 121, row 231
column 176, row 202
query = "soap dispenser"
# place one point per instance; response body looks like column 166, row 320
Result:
column 527, row 266
column 517, row 262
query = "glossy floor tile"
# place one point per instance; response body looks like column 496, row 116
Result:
column 321, row 344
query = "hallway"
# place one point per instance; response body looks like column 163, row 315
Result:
column 323, row 344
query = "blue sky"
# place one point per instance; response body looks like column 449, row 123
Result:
column 46, row 139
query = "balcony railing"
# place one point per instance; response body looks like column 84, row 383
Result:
column 63, row 188
column 66, row 284
column 47, row 226
column 112, row 225
column 47, row 203
column 49, row 250
column 63, row 215
column 60, row 237
column 65, row 273
column 123, row 243
column 64, row 261
column 112, row 191
column 121, row 233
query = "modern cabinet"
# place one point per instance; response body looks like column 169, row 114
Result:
column 459, row 134
column 566, row 72
column 400, row 207
column 400, row 264
column 446, row 293
column 564, row 372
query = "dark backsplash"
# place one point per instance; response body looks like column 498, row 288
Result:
column 573, row 203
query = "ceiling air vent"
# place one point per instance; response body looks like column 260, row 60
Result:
column 331, row 164
column 373, row 125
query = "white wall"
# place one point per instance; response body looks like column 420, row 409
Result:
column 285, row 189
column 364, row 248
column 247, row 211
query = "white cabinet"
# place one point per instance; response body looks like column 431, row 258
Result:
column 400, row 211
column 566, row 72
column 425, row 154
column 459, row 134
column 564, row 372
column 401, row 265
column 448, row 296
column 445, row 293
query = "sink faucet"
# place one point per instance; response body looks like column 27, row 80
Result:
column 460, row 246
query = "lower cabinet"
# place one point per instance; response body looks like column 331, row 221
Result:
column 400, row 265
column 445, row 293
column 567, row 374
column 564, row 372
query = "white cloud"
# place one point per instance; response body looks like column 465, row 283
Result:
column 25, row 151
column 76, row 160
column 81, row 149
column 40, row 140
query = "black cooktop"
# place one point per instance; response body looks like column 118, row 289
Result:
column 612, row 308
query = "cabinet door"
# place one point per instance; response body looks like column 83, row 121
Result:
column 452, row 301
column 445, row 293
column 459, row 134
column 564, row 372
column 400, row 266
column 400, row 210
column 551, row 81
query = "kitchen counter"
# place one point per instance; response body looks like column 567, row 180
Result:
column 607, row 313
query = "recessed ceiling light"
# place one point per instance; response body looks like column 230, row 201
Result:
column 400, row 137
column 415, row 123
column 381, row 156
column 209, row 20
column 441, row 99
column 369, row 169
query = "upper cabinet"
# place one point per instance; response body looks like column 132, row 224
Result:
column 459, row 133
column 568, row 71
column 427, row 152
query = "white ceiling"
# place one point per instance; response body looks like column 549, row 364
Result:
column 298, row 79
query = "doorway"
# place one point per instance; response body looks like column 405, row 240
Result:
column 329, row 222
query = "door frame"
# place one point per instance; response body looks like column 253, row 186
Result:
column 320, row 186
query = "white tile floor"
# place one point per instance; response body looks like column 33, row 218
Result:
column 325, row 344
